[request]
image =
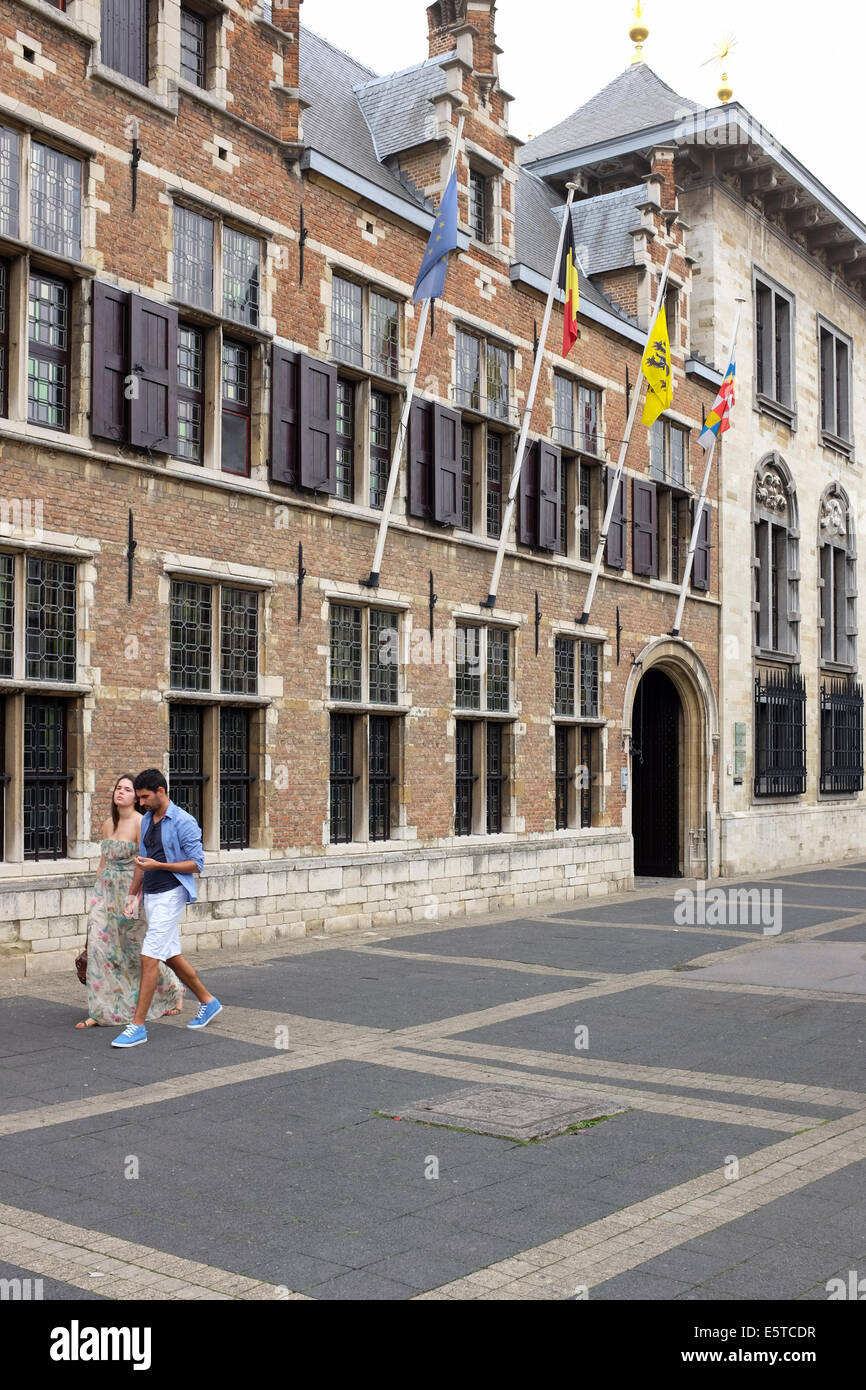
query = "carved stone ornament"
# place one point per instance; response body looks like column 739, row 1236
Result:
column 834, row 521
column 771, row 493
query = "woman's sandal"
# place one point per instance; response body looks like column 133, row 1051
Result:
column 87, row 1023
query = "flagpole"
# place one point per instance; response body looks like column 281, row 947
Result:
column 632, row 417
column 373, row 581
column 490, row 601
column 701, row 503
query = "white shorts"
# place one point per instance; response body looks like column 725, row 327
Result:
column 164, row 911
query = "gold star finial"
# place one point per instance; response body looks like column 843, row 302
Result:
column 638, row 33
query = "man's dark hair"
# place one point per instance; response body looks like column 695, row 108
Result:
column 150, row 780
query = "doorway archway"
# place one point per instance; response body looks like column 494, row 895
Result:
column 656, row 776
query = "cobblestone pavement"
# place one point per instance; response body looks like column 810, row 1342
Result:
column 260, row 1159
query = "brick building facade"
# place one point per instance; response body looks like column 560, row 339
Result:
column 211, row 221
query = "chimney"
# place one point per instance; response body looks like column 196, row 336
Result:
column 468, row 26
column 286, row 16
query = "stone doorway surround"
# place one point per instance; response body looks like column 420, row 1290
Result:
column 699, row 749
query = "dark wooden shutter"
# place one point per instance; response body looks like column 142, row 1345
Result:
column 701, row 570
column 318, row 433
column 645, row 541
column 421, row 460
column 124, row 38
column 153, row 358
column 284, row 416
column 549, row 495
column 109, row 408
column 527, row 498
column 615, row 551
column 447, row 453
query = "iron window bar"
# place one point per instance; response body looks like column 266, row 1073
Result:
column 780, row 734
column 842, row 735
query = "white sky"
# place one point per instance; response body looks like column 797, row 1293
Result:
column 798, row 67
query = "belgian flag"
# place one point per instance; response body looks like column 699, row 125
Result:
column 570, row 285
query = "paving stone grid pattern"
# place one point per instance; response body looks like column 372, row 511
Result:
column 261, row 1160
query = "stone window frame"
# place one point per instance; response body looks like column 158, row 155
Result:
column 577, row 725
column 214, row 699
column 164, row 78
column 23, row 258
column 367, row 381
column 579, row 524
column 837, row 549
column 483, row 165
column 362, row 712
column 840, row 442
column 218, row 328
column 15, row 690
column 672, row 496
column 770, row 499
column 765, row 402
column 481, row 717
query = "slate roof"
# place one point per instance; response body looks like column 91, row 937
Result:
column 538, row 220
column 399, row 108
column 603, row 225
column 334, row 122
column 634, row 101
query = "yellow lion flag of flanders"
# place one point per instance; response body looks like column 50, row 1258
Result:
column 657, row 370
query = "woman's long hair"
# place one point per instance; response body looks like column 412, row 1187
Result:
column 115, row 813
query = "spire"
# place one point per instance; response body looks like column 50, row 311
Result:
column 638, row 33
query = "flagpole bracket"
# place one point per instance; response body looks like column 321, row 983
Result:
column 583, row 620
column 489, row 602
column 371, row 582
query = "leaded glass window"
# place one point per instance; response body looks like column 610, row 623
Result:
column 191, row 629
column 342, row 778
column 564, row 410
column 55, row 201
column 467, row 454
column 589, row 679
column 235, row 413
column 193, row 258
column 347, row 321
column 465, row 778
column 8, row 182
column 479, row 194
column 345, row 440
column 51, row 619
column 48, row 352
column 4, row 337
column 239, row 641
column 186, row 774
column 468, row 370
column 498, row 669
column 45, row 779
column 468, row 693
column 380, row 447
column 494, row 484
column 495, row 778
column 380, row 778
column 384, row 657
column 7, row 614
column 564, row 775
column 234, row 778
column 241, row 257
column 498, row 367
column 589, row 414
column 193, row 34
column 564, row 702
column 384, row 335
column 346, row 649
column 190, row 393
column 585, row 512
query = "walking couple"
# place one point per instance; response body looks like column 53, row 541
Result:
column 134, row 976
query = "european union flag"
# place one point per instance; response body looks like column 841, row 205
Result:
column 443, row 240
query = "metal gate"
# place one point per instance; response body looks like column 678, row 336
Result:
column 656, row 777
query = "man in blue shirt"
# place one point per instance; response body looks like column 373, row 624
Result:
column 170, row 854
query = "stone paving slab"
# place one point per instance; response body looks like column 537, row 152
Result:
column 570, row 945
column 825, row 964
column 798, row 1041
column 374, row 991
column 660, row 912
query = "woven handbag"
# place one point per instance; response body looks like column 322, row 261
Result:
column 81, row 966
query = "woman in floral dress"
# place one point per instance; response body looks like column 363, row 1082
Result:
column 114, row 941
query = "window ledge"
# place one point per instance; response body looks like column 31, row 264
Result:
column 765, row 405
column 216, row 697
column 202, row 94
column 771, row 658
column 43, row 257
column 833, row 669
column 839, row 446
column 165, row 103
column 30, row 687
column 571, row 721
column 207, row 318
column 55, row 16
column 352, row 372
column 497, row 716
column 228, row 578
column 365, row 707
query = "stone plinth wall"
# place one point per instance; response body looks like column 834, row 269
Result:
column 43, row 920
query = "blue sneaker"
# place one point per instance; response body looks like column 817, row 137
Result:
column 131, row 1037
column 205, row 1014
